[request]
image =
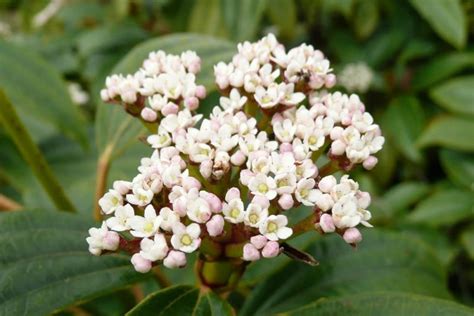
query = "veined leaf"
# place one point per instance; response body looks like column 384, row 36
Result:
column 39, row 94
column 182, row 300
column 243, row 17
column 459, row 167
column 452, row 132
column 446, row 17
column 383, row 261
column 380, row 303
column 456, row 95
column 46, row 266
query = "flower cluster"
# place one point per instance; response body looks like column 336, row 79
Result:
column 356, row 77
column 232, row 180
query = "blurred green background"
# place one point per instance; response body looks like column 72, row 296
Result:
column 411, row 62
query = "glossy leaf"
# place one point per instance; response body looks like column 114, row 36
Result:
column 447, row 19
column 182, row 300
column 404, row 122
column 442, row 67
column 456, row 95
column 452, row 132
column 380, row 303
column 459, row 167
column 383, row 261
column 115, row 128
column 46, row 266
column 444, row 208
column 39, row 94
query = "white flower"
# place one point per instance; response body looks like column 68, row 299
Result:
column 284, row 131
column 154, row 249
column 169, row 218
column 264, row 186
column 201, row 152
column 102, row 239
column 198, row 210
column 110, row 201
column 147, row 225
column 233, row 102
column 285, row 182
column 270, row 97
column 119, row 222
column 160, row 140
column 305, row 192
column 255, row 215
column 234, row 211
column 344, row 212
column 186, row 238
column 140, row 196
column 274, row 227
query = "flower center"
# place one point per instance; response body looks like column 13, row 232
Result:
column 312, row 140
column 148, row 227
column 266, row 99
column 142, row 197
column 234, row 213
column 304, row 193
column 163, row 139
column 272, row 227
column 114, row 200
column 186, row 240
column 262, row 188
column 282, row 182
column 253, row 218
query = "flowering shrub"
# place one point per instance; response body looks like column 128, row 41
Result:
column 226, row 185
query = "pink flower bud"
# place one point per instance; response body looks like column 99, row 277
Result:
column 250, row 253
column 258, row 241
column 205, row 168
column 233, row 193
column 191, row 103
column 346, row 119
column 338, row 148
column 352, row 236
column 215, row 226
column 330, row 81
column 189, row 183
column 277, row 117
column 177, row 160
column 245, row 176
column 169, row 108
column 238, row 158
column 195, row 67
column 370, row 162
column 175, row 259
column 141, row 264
column 148, row 115
column 327, row 224
column 286, row 148
column 214, row 202
column 336, row 132
column 201, row 92
column 111, row 241
column 271, row 249
column 179, row 206
column 363, row 199
column 327, row 183
column 286, row 201
column 261, row 200
column 122, row 187
column 104, row 95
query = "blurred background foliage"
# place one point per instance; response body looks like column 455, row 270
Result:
column 415, row 57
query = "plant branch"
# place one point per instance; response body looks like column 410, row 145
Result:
column 103, row 166
column 7, row 204
column 31, row 153
column 161, row 278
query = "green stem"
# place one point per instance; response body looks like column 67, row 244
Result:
column 329, row 168
column 33, row 155
column 303, row 226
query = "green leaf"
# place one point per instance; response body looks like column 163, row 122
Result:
column 444, row 208
column 404, row 121
column 446, row 17
column 205, row 16
column 115, row 128
column 467, row 240
column 380, row 303
column 46, row 266
column 366, row 18
column 459, row 167
column 243, row 17
column 182, row 300
column 456, row 95
column 440, row 68
column 383, row 261
column 452, row 132
column 39, row 94
column 282, row 14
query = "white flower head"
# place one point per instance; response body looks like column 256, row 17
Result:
column 274, row 227
column 154, row 249
column 147, row 225
column 186, row 238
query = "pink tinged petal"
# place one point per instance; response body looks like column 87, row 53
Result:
column 215, row 226
column 327, row 183
column 179, row 206
column 179, row 228
column 352, row 236
column 250, row 253
column 148, row 115
column 261, row 200
column 370, row 162
column 190, row 182
column 175, row 259
column 286, row 201
column 111, row 241
column 141, row 264
column 259, row 241
column 150, row 212
column 214, row 202
column 271, row 249
column 280, row 220
column 326, row 223
column 200, row 92
column 193, row 230
column 232, row 194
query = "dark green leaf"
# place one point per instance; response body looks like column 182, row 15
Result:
column 467, row 239
column 182, row 300
column 380, row 303
column 459, row 167
column 444, row 208
column 446, row 17
column 46, row 266
column 39, row 94
column 456, row 95
column 383, row 261
column 282, row 14
column 452, row 132
column 366, row 18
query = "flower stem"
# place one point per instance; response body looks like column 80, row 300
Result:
column 31, row 153
column 303, row 226
column 7, row 204
column 103, row 166
column 161, row 278
column 329, row 168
